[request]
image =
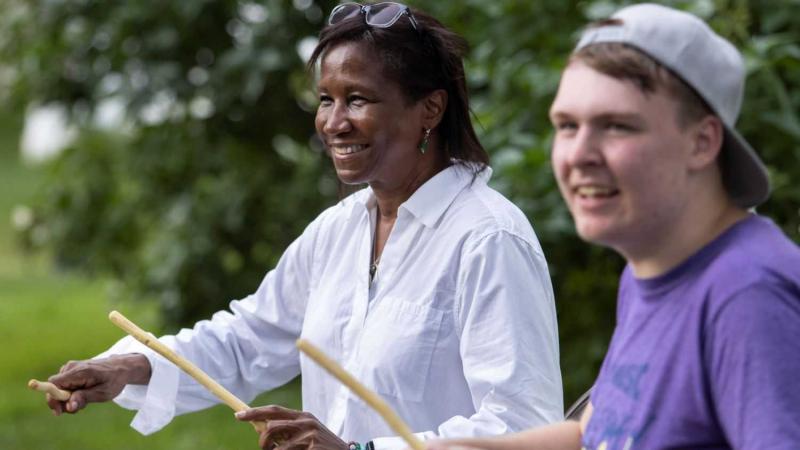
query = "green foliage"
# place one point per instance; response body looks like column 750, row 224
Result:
column 208, row 178
column 47, row 317
column 215, row 170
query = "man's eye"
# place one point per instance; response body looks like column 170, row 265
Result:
column 620, row 127
column 566, row 126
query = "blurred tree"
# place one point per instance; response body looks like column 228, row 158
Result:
column 194, row 192
column 193, row 171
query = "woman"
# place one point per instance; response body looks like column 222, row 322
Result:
column 428, row 286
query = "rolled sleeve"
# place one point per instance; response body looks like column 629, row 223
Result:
column 155, row 401
column 230, row 347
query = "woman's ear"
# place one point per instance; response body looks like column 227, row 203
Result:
column 433, row 107
column 708, row 135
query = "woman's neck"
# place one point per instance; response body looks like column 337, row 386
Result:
column 390, row 198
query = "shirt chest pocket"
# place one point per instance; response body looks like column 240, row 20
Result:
column 396, row 347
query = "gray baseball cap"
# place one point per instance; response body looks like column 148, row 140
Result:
column 709, row 64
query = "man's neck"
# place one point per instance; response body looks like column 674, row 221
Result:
column 693, row 231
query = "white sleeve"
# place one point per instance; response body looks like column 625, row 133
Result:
column 509, row 341
column 249, row 349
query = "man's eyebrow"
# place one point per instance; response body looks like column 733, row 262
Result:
column 605, row 116
column 620, row 115
column 558, row 114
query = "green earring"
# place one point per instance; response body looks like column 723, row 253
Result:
column 424, row 144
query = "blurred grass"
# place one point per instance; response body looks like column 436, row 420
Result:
column 47, row 317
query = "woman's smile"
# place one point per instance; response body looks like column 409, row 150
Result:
column 347, row 149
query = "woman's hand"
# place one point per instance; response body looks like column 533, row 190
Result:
column 97, row 380
column 289, row 429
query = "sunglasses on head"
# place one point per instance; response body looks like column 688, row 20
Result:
column 379, row 15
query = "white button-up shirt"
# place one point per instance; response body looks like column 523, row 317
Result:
column 457, row 332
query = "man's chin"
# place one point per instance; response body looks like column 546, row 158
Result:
column 599, row 234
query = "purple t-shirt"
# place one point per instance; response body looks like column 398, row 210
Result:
column 706, row 356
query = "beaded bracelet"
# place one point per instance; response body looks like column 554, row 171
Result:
column 353, row 445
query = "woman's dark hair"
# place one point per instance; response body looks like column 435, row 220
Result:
column 420, row 61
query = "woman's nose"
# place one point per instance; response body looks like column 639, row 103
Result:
column 336, row 121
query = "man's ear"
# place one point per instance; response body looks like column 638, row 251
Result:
column 707, row 137
column 433, row 107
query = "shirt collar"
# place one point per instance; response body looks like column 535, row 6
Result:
column 433, row 198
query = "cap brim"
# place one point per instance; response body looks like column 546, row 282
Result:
column 743, row 173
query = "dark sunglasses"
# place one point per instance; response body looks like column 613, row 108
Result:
column 379, row 15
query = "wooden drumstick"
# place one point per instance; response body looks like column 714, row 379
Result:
column 49, row 388
column 362, row 391
column 150, row 341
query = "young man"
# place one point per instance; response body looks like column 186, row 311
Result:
column 706, row 350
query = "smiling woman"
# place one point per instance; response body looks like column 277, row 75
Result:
column 427, row 285
column 370, row 129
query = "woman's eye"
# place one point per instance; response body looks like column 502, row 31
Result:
column 325, row 100
column 357, row 100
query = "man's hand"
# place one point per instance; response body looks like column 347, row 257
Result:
column 444, row 445
column 557, row 436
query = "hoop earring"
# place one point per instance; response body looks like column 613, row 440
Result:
column 424, row 144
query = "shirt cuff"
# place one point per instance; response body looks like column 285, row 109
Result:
column 155, row 401
column 398, row 443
